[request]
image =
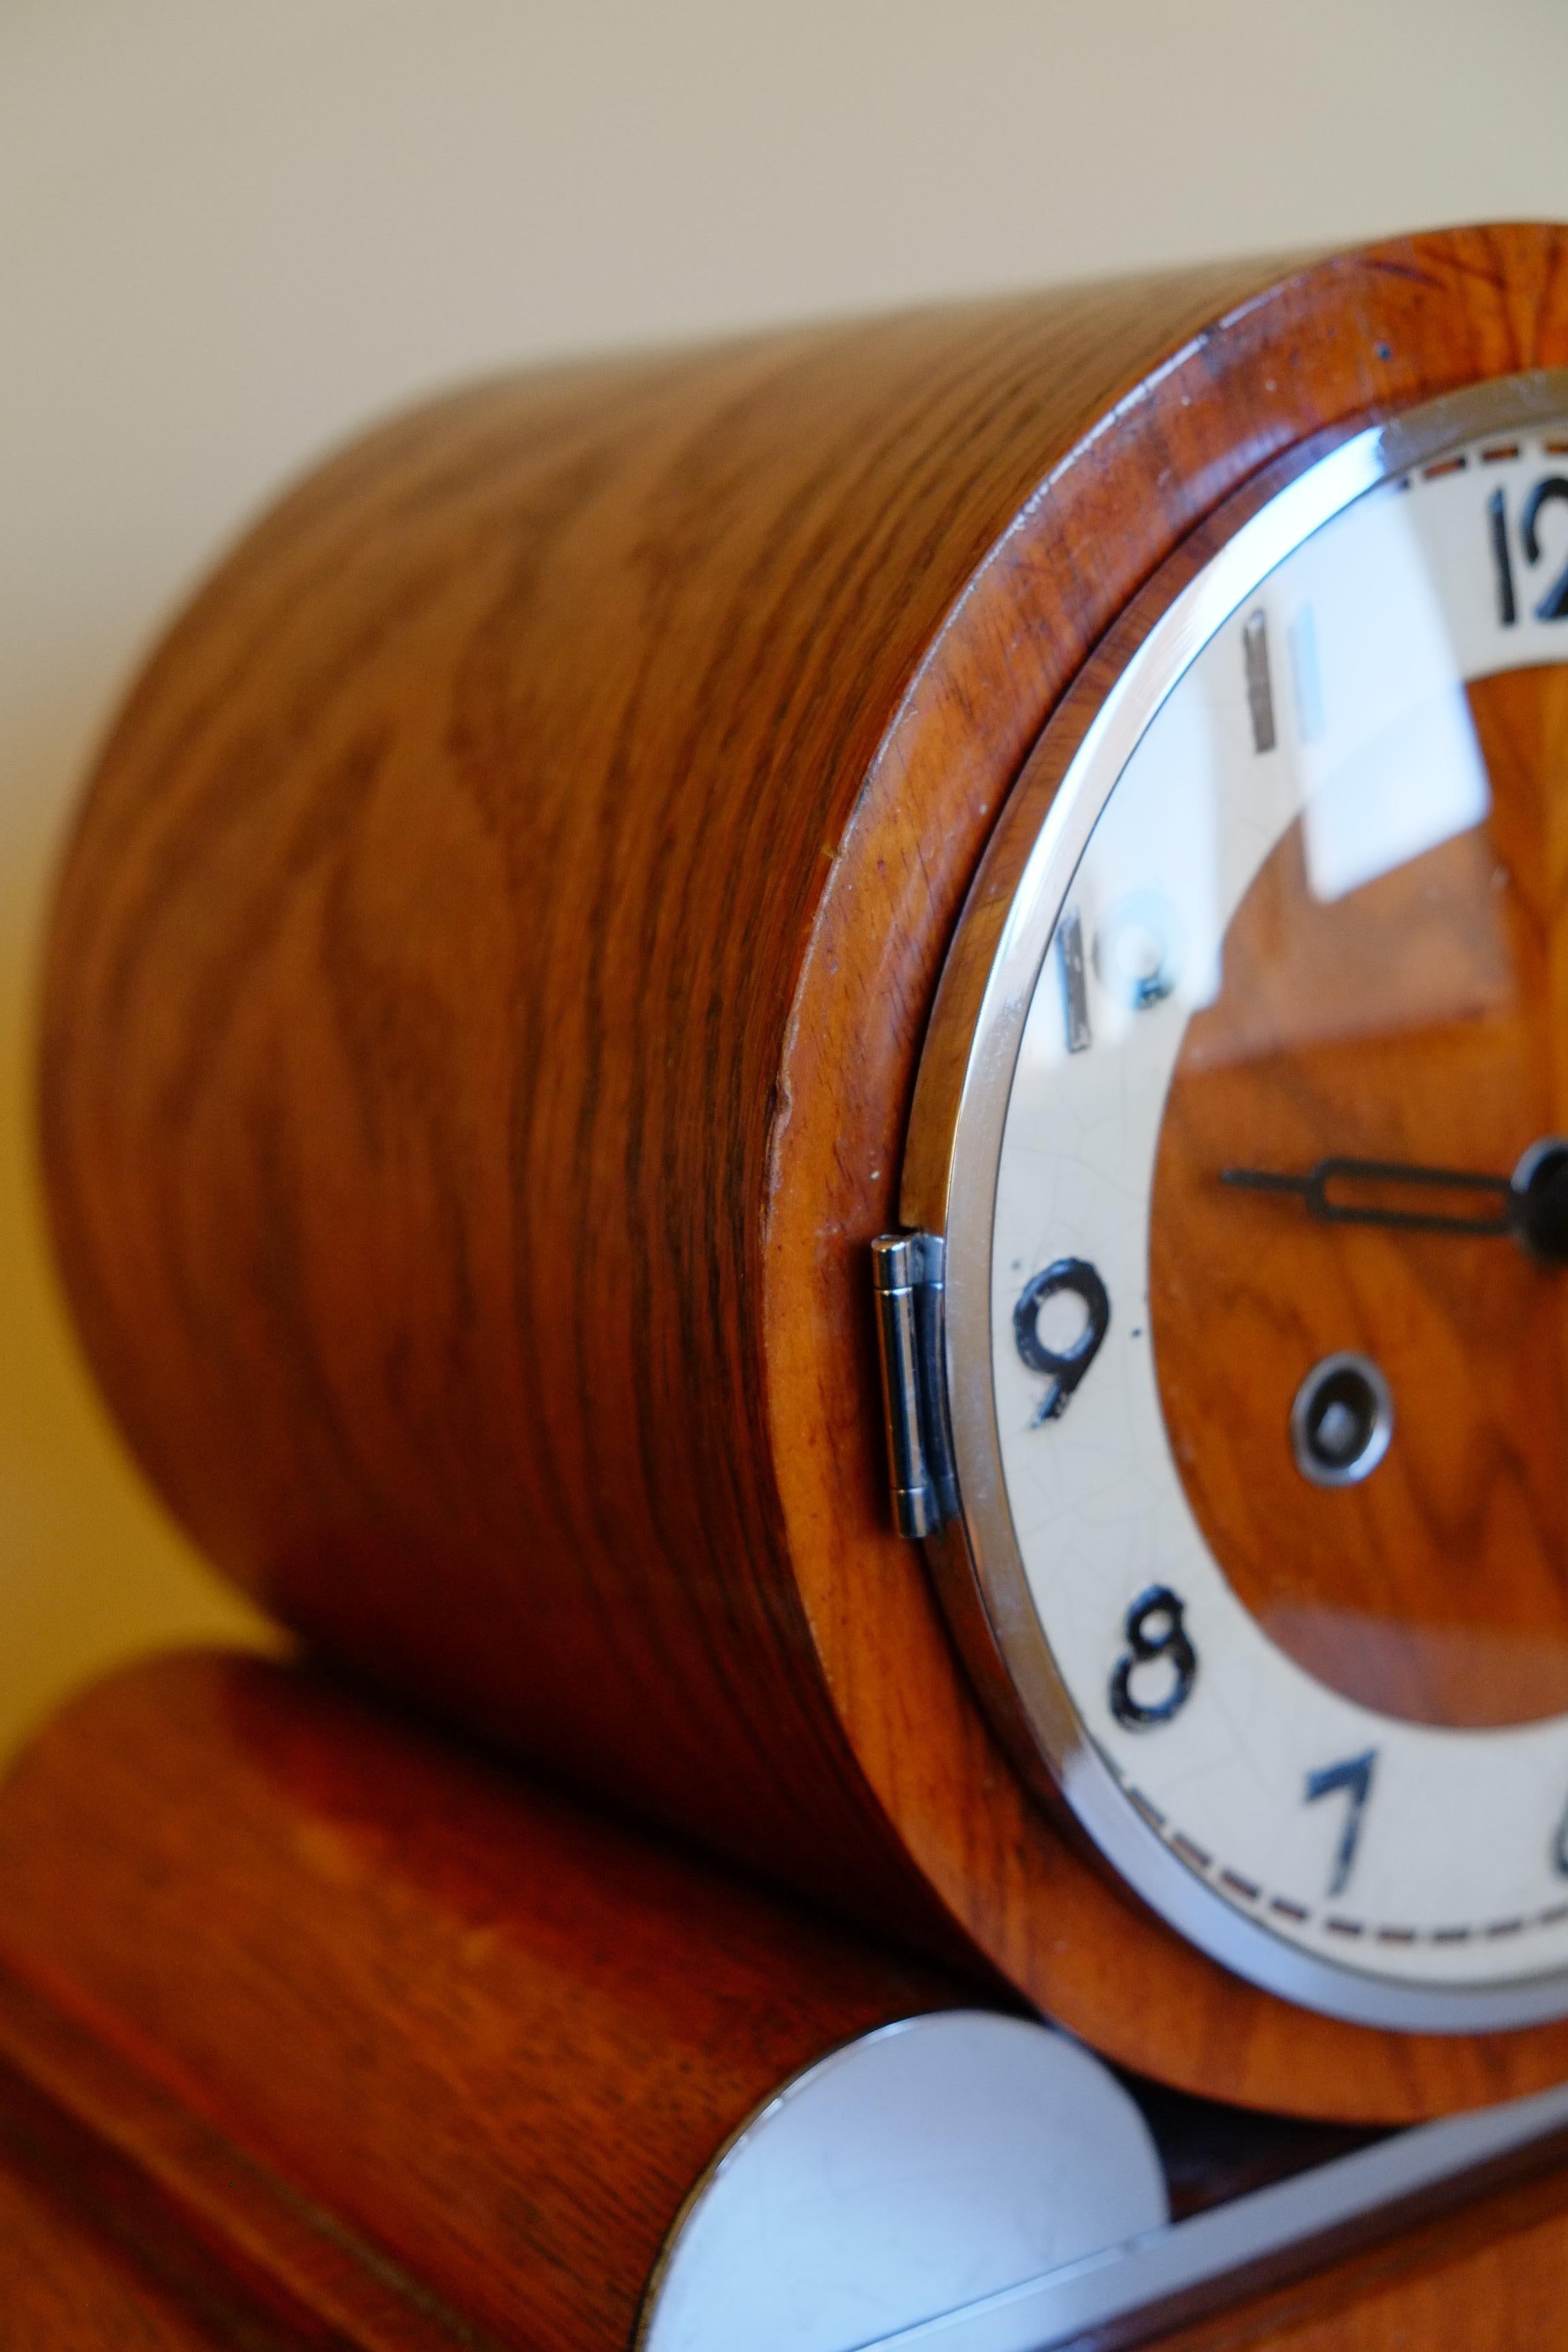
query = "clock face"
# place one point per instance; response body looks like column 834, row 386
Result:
column 1267, row 1240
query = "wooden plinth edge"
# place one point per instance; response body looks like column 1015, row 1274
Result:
column 281, row 2059
column 421, row 2055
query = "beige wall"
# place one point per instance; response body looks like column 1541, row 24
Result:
column 230, row 230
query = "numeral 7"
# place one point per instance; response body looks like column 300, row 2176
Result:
column 1354, row 1777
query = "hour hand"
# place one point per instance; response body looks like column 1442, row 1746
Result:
column 1339, row 1190
column 1532, row 1205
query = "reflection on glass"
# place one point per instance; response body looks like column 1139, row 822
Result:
column 1300, row 1116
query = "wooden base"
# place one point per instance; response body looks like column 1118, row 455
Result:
column 412, row 2047
column 315, row 2032
column 82, row 2273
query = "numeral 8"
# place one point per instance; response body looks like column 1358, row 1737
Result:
column 1156, row 1634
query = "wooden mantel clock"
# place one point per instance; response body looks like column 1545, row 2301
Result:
column 1027, row 839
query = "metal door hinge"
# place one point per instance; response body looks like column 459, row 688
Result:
column 910, row 1273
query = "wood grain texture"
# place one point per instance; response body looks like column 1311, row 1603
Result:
column 95, row 2253
column 317, row 2033
column 1420, row 1019
column 427, row 2058
column 63, row 2289
column 481, row 1018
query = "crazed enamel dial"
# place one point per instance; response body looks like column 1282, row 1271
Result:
column 1263, row 1230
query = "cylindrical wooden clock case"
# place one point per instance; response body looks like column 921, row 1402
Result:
column 483, row 1016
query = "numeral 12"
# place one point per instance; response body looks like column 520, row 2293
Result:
column 1553, row 605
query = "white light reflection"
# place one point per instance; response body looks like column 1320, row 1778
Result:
column 1150, row 885
column 1390, row 764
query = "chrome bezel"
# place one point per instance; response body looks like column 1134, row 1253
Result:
column 954, row 1150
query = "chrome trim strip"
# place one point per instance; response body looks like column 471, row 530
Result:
column 1157, row 2282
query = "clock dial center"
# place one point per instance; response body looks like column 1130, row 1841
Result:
column 1389, row 1050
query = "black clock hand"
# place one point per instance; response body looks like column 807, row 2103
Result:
column 1531, row 1204
column 1313, row 1191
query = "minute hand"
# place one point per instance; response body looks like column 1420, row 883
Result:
column 1313, row 1190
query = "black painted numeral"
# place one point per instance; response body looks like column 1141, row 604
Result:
column 1551, row 490
column 1063, row 1367
column 1157, row 1639
column 1554, row 605
column 1507, row 601
column 1354, row 1777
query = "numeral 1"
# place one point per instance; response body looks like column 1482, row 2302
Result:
column 1507, row 603
column 1560, row 1846
column 1260, row 680
column 1075, row 988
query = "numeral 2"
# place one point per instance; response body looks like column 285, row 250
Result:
column 1560, row 1846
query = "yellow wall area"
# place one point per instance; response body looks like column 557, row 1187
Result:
column 231, row 232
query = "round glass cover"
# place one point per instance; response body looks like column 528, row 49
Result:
column 1277, row 1431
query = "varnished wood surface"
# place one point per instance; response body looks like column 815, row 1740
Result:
column 482, row 1014
column 93, row 2253
column 1420, row 1019
column 63, row 2287
column 438, row 2056
column 318, row 2032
